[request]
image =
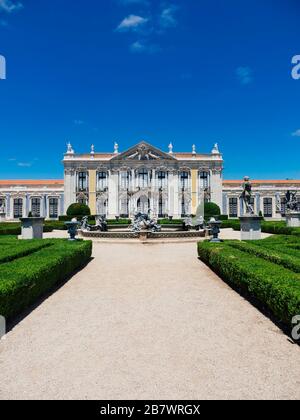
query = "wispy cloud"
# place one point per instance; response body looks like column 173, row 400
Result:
column 168, row 17
column 132, row 22
column 139, row 47
column 10, row 6
column 24, row 164
column 296, row 133
column 244, row 75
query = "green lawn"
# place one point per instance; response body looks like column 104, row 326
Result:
column 268, row 270
column 29, row 269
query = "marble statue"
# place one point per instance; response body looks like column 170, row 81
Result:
column 291, row 201
column 247, row 195
column 142, row 221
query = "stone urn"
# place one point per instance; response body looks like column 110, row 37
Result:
column 32, row 227
column 72, row 229
column 214, row 226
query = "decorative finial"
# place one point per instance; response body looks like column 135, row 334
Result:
column 215, row 150
column 92, row 151
column 171, row 148
column 116, row 148
column 194, row 149
column 70, row 150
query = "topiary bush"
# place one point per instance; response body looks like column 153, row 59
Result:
column 211, row 210
column 78, row 209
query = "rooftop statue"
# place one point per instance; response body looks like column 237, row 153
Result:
column 247, row 195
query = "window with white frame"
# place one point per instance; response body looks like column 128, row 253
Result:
column 82, row 181
column 204, row 180
column 124, row 179
column 2, row 202
column 184, row 179
column 18, row 208
column 36, row 207
column 143, row 177
column 102, row 181
column 233, row 207
column 162, row 179
column 124, row 207
column 268, row 207
column 53, row 208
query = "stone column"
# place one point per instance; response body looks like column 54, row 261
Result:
column 92, row 190
column 194, row 190
column 113, row 194
column 69, row 188
column 225, row 207
column 7, row 206
column 216, row 186
column 176, row 207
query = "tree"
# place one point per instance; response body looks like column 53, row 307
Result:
column 78, row 209
column 211, row 210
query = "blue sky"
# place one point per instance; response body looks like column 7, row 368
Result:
column 186, row 71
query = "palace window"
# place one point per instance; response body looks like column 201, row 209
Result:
column 2, row 202
column 124, row 207
column 102, row 207
column 298, row 203
column 184, row 180
column 268, row 207
column 143, row 178
column 162, row 179
column 283, row 206
column 233, row 207
column 53, row 208
column 102, row 181
column 18, row 208
column 204, row 180
column 124, row 180
column 184, row 210
column 161, row 207
column 36, row 207
column 82, row 181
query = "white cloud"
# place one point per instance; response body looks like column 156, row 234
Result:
column 131, row 22
column 132, row 2
column 139, row 47
column 10, row 6
column 78, row 122
column 167, row 17
column 24, row 164
column 244, row 75
column 296, row 133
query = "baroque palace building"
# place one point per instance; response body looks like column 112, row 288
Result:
column 143, row 177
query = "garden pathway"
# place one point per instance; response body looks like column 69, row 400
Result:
column 147, row 322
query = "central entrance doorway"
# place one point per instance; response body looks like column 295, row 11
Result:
column 143, row 204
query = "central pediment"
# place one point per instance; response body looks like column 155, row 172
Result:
column 143, row 151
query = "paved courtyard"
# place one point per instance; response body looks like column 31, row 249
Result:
column 147, row 322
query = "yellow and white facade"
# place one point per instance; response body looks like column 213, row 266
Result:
column 142, row 178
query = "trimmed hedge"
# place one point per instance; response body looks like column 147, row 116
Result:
column 24, row 280
column 274, row 286
column 20, row 249
column 78, row 209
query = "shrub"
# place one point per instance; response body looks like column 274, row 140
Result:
column 211, row 210
column 78, row 209
column 274, row 286
column 24, row 280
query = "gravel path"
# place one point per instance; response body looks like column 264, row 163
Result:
column 147, row 322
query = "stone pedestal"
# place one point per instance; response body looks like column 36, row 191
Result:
column 250, row 227
column 293, row 219
column 2, row 217
column 32, row 227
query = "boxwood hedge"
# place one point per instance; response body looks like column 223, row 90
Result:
column 263, row 275
column 24, row 280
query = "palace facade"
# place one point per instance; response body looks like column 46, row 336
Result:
column 143, row 177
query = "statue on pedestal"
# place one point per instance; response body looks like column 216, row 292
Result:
column 247, row 195
column 291, row 201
